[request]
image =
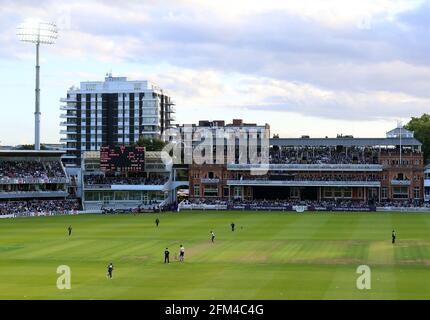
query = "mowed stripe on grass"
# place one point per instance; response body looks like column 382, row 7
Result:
column 271, row 255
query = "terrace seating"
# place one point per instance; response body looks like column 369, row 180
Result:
column 121, row 180
column 319, row 178
column 323, row 155
column 31, row 170
column 31, row 207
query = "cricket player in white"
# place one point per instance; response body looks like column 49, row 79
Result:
column 182, row 253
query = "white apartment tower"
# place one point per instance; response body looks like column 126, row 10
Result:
column 112, row 112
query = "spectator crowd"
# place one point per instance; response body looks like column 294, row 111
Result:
column 329, row 177
column 100, row 179
column 338, row 203
column 323, row 155
column 31, row 170
column 34, row 207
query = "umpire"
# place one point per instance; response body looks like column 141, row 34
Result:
column 166, row 255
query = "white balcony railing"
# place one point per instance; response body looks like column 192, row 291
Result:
column 68, row 107
column 400, row 182
column 68, row 132
column 33, row 194
column 306, row 167
column 128, row 187
column 68, row 100
column 209, row 181
column 68, row 124
column 306, row 183
column 67, row 115
column 6, row 180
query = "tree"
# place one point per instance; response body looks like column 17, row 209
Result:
column 421, row 128
column 30, row 147
column 151, row 144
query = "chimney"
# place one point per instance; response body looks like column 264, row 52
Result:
column 237, row 122
column 203, row 123
column 219, row 123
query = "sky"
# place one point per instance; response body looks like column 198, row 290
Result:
column 308, row 67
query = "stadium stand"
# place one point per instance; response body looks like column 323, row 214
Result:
column 34, row 183
column 100, row 179
column 125, row 189
column 289, row 205
column 322, row 170
column 39, row 207
column 322, row 155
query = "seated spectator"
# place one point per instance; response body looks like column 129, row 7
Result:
column 31, row 207
column 100, row 179
column 31, row 170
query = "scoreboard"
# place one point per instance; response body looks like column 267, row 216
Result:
column 122, row 158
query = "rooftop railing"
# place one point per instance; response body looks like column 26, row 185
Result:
column 306, row 183
column 7, row 180
column 306, row 167
column 33, row 194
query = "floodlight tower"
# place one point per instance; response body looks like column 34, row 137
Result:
column 37, row 32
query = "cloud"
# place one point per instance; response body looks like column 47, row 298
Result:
column 334, row 59
column 207, row 89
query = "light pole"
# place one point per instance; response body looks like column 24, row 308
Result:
column 37, row 32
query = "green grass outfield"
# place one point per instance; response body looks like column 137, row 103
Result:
column 271, row 255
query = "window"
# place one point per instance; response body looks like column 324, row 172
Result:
column 384, row 193
column 211, row 191
column 196, row 190
column 327, row 193
column 107, row 196
column 400, row 192
column 92, row 196
column 347, row 193
column 417, row 192
column 134, row 195
column 427, row 194
column 338, row 193
column 238, row 192
column 121, row 195
column 226, row 191
column 294, row 193
column 149, row 112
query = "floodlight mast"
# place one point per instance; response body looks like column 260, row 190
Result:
column 37, row 32
column 37, row 102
